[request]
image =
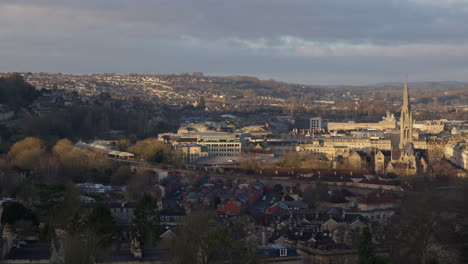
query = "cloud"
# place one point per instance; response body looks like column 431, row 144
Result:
column 449, row 3
column 271, row 36
column 387, row 21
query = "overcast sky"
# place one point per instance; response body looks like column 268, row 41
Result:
column 302, row 41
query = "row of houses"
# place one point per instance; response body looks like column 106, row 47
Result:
column 242, row 198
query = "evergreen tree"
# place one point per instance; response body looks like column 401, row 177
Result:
column 14, row 211
column 146, row 220
column 366, row 248
column 100, row 221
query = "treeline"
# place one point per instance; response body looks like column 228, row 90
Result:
column 15, row 92
column 245, row 86
column 431, row 226
column 33, row 160
column 98, row 117
column 87, row 233
column 86, row 122
column 273, row 88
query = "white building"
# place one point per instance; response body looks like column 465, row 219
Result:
column 457, row 154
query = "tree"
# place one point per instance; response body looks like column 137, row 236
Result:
column 366, row 248
column 146, row 220
column 151, row 149
column 140, row 184
column 50, row 168
column 101, row 223
column 318, row 193
column 26, row 153
column 314, row 161
column 62, row 147
column 79, row 163
column 291, row 160
column 429, row 225
column 382, row 260
column 249, row 165
column 121, row 176
column 464, row 254
column 87, row 236
column 10, row 183
column 70, row 206
column 15, row 92
column 122, row 144
column 14, row 211
column 81, row 248
column 204, row 239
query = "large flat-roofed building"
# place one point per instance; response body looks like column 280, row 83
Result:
column 220, row 144
column 357, row 143
column 429, row 126
column 368, row 134
column 314, row 123
column 351, row 125
column 388, row 123
column 191, row 152
column 332, row 146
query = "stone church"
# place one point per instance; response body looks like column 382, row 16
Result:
column 404, row 160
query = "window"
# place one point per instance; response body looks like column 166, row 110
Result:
column 283, row 252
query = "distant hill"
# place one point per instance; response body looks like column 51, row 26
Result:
column 422, row 85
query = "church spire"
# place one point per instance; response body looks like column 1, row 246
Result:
column 406, row 94
column 406, row 119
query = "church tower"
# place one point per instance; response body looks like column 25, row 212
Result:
column 406, row 119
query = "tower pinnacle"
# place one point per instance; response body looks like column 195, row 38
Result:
column 406, row 119
column 406, row 94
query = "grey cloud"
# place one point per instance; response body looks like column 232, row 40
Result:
column 311, row 41
column 386, row 21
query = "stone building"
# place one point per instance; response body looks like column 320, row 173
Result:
column 457, row 154
column 387, row 123
column 196, row 145
column 410, row 158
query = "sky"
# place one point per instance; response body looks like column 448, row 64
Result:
column 301, row 41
